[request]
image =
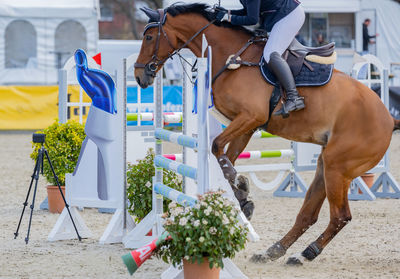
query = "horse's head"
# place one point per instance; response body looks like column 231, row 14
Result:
column 157, row 46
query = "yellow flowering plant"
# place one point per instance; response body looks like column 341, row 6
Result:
column 210, row 230
column 63, row 143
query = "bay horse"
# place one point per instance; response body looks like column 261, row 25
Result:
column 344, row 116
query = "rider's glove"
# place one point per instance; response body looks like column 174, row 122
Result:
column 222, row 14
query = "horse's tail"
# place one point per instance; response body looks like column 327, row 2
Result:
column 396, row 124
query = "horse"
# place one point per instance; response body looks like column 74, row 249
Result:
column 339, row 116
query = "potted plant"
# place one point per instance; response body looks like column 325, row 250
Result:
column 139, row 192
column 202, row 236
column 63, row 143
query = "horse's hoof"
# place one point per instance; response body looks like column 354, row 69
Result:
column 296, row 260
column 259, row 258
column 274, row 252
column 243, row 183
column 248, row 209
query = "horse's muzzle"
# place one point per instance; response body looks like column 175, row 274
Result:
column 143, row 79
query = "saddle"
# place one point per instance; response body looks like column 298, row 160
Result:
column 310, row 66
column 297, row 54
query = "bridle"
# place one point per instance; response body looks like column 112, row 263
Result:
column 151, row 67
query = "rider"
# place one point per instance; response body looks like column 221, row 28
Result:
column 283, row 19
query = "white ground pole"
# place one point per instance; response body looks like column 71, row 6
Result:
column 98, row 180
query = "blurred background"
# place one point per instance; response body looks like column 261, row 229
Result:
column 38, row 37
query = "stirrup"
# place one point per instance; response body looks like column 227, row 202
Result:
column 297, row 106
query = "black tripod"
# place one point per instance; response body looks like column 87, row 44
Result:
column 40, row 138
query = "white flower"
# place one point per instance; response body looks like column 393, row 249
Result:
column 187, row 257
column 204, row 222
column 188, row 239
column 196, row 223
column 172, row 205
column 213, row 230
column 225, row 220
column 232, row 230
column 201, row 239
column 208, row 211
column 148, row 184
column 183, row 221
column 197, row 206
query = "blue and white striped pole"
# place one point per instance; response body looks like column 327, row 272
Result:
column 176, row 138
column 185, row 170
column 174, row 195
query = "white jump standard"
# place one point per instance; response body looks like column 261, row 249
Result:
column 200, row 174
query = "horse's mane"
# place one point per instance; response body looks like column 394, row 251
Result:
column 205, row 11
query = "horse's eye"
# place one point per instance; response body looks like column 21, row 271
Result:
column 149, row 37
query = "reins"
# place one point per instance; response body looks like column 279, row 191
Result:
column 151, row 67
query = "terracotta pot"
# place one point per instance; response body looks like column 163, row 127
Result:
column 56, row 202
column 368, row 179
column 199, row 271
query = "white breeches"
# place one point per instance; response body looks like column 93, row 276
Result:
column 283, row 32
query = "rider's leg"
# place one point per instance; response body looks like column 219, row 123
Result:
column 282, row 34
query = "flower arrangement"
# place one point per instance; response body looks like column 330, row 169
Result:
column 209, row 230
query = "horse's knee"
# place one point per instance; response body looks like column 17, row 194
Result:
column 215, row 147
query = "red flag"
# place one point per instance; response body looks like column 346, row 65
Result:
column 97, row 58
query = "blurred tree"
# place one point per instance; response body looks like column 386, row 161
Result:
column 128, row 8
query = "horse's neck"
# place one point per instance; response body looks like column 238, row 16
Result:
column 224, row 41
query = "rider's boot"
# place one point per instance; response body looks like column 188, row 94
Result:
column 282, row 71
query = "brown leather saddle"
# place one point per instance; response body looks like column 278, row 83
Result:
column 296, row 53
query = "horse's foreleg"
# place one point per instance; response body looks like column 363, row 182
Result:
column 241, row 125
column 240, row 186
column 237, row 134
column 307, row 216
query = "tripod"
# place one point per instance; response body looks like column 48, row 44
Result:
column 42, row 152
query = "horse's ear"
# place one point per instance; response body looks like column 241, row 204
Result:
column 153, row 15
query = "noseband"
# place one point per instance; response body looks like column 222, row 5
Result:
column 151, row 67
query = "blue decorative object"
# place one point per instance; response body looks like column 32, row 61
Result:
column 97, row 84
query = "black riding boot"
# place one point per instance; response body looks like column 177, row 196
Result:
column 282, row 71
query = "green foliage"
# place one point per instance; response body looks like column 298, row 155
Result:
column 209, row 229
column 63, row 143
column 139, row 177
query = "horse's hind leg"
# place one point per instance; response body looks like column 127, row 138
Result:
column 307, row 216
column 337, row 186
